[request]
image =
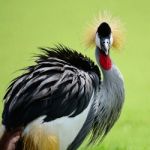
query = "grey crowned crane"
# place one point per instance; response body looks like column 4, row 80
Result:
column 58, row 101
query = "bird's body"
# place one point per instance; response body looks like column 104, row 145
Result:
column 60, row 99
column 53, row 93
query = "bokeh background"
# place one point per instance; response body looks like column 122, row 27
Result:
column 28, row 24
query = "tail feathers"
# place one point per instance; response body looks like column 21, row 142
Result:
column 37, row 139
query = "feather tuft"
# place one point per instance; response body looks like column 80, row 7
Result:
column 38, row 139
column 116, row 27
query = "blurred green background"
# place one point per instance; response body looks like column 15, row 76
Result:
column 28, row 24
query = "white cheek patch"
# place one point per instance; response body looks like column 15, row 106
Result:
column 111, row 39
column 97, row 40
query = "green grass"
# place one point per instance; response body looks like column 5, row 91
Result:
column 26, row 25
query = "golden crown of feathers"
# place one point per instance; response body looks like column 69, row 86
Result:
column 116, row 28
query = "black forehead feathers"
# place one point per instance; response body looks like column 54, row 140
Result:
column 104, row 30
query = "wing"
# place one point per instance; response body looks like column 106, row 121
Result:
column 53, row 88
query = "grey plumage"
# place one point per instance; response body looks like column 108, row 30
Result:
column 109, row 101
column 107, row 104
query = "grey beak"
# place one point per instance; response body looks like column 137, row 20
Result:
column 105, row 45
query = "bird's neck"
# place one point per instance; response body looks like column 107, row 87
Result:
column 103, row 60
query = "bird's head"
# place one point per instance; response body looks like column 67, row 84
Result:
column 104, row 38
column 105, row 32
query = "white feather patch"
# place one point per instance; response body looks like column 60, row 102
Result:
column 65, row 128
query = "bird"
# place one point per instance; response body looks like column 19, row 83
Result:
column 65, row 96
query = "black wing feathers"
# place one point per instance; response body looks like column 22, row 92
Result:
column 70, row 56
column 60, row 84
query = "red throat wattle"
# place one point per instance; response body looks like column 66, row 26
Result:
column 105, row 61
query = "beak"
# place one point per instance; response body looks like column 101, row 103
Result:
column 105, row 45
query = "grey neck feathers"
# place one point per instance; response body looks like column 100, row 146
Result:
column 109, row 101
